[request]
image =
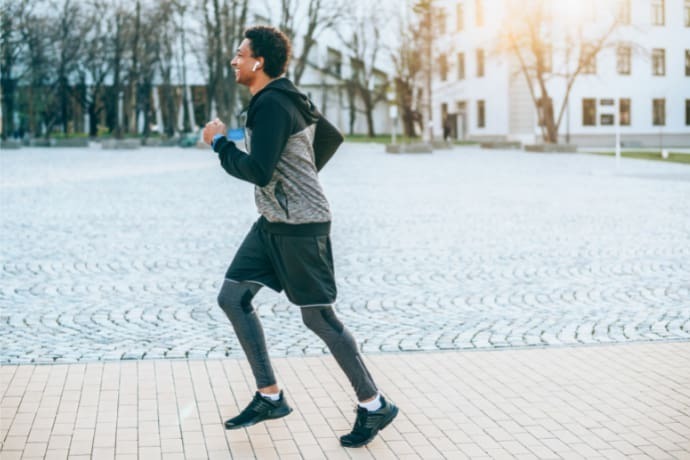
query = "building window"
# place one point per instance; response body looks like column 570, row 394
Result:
column 658, row 12
column 623, row 59
column 687, row 13
column 461, row 66
column 588, row 59
column 334, row 62
column 589, row 112
column 687, row 63
column 607, row 119
column 441, row 15
column 481, row 114
column 659, row 112
column 443, row 67
column 480, row 63
column 480, row 13
column 624, row 12
column 459, row 16
column 624, row 111
column 658, row 62
column 687, row 112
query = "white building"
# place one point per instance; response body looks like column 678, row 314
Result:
column 643, row 77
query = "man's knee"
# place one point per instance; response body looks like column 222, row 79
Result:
column 236, row 297
column 321, row 320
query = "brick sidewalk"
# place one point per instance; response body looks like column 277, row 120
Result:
column 620, row 401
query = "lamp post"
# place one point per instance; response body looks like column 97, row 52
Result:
column 393, row 113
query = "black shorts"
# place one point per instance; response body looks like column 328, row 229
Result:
column 296, row 258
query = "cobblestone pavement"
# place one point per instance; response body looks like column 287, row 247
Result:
column 110, row 255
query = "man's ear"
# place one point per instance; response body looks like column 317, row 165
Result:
column 259, row 64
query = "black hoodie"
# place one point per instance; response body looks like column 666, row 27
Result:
column 288, row 142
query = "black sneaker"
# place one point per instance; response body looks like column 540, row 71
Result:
column 368, row 424
column 258, row 410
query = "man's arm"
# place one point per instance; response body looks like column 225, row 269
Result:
column 271, row 128
column 327, row 139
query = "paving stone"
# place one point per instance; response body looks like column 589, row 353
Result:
column 119, row 255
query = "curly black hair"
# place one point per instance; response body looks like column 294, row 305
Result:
column 272, row 45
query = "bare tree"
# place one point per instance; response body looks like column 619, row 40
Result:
column 224, row 22
column 12, row 48
column 320, row 15
column 408, row 62
column 95, row 63
column 532, row 37
column 363, row 41
column 119, row 42
column 53, row 44
column 427, row 16
column 67, row 45
column 36, row 66
column 180, row 8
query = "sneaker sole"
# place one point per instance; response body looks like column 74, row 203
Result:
column 254, row 422
column 394, row 413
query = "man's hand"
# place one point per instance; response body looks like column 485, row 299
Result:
column 211, row 129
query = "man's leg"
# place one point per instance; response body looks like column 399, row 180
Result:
column 374, row 412
column 324, row 323
column 235, row 298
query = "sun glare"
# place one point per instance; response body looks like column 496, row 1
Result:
column 571, row 12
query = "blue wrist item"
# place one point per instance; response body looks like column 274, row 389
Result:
column 215, row 139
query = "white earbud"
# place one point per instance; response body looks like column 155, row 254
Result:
column 256, row 66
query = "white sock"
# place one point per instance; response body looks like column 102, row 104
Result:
column 373, row 405
column 271, row 396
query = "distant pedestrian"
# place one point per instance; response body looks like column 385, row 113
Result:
column 289, row 247
column 446, row 128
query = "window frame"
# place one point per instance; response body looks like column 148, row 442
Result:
column 625, row 12
column 625, row 121
column 441, row 18
column 481, row 62
column 658, row 62
column 459, row 17
column 461, row 66
column 481, row 113
column 658, row 12
column 479, row 13
column 592, row 103
column 443, row 67
column 659, row 117
column 624, row 59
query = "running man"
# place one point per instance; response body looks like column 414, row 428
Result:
column 289, row 247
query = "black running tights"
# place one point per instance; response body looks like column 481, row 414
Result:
column 235, row 298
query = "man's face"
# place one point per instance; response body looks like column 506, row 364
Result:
column 245, row 64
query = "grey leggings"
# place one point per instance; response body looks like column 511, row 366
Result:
column 235, row 298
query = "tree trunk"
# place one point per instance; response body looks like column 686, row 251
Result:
column 93, row 118
column 352, row 108
column 7, row 106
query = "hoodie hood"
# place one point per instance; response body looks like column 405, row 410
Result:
column 300, row 100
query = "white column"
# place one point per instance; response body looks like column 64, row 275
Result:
column 157, row 109
column 214, row 109
column 190, row 109
column 119, row 111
